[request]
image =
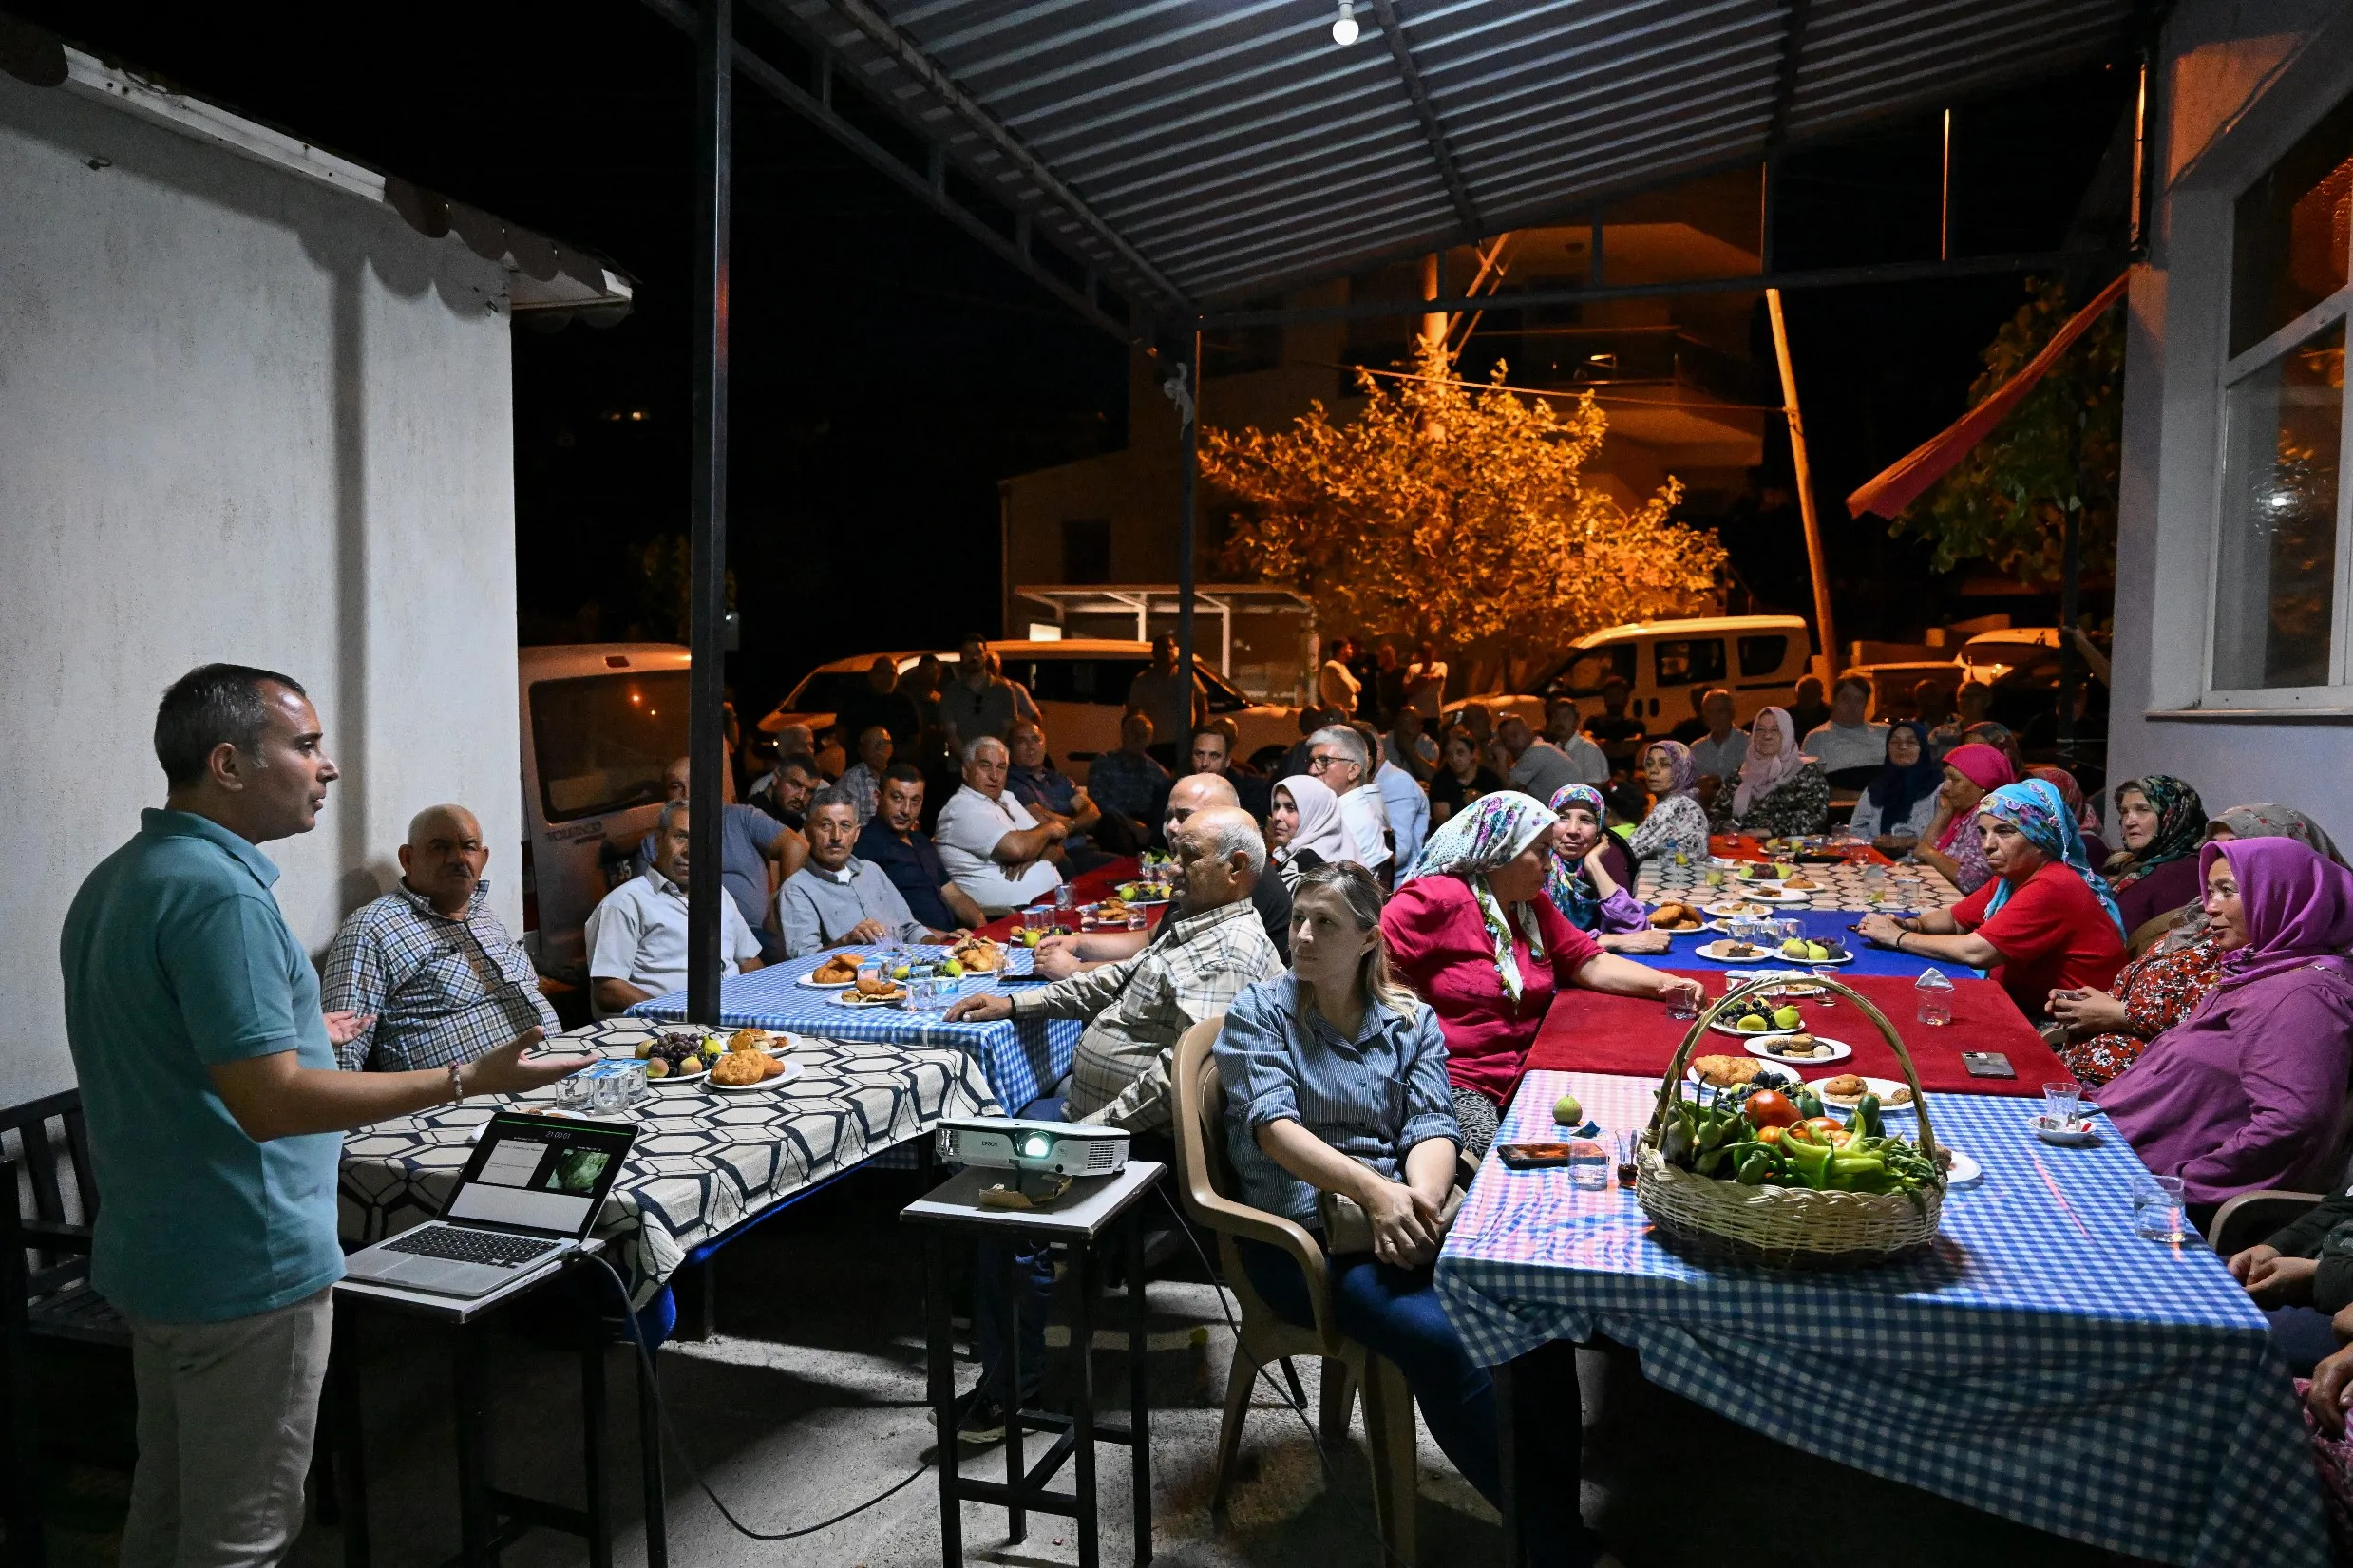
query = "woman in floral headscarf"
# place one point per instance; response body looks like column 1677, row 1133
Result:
column 2045, row 921
column 1472, row 933
column 1578, row 883
column 2159, row 817
column 2070, row 792
column 1675, row 823
column 1782, row 792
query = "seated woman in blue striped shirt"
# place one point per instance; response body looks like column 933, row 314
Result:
column 1335, row 1080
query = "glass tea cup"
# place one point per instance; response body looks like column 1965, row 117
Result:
column 2157, row 1209
column 2059, row 1103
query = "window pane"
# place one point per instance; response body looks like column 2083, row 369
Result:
column 603, row 741
column 1763, row 655
column 2275, row 590
column 2288, row 233
column 1683, row 662
column 1587, row 671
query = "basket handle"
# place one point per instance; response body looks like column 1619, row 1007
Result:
column 1671, row 1083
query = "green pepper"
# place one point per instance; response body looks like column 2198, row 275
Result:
column 1756, row 1168
column 1809, row 1103
column 1809, row 1160
column 1851, row 1172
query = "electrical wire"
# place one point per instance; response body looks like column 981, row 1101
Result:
column 645, row 1361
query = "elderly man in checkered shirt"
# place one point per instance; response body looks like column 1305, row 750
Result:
column 430, row 973
column 1211, row 945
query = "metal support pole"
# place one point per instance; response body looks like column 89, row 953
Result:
column 1944, row 202
column 2141, row 186
column 714, row 53
column 1189, row 410
column 1814, row 560
column 2070, row 666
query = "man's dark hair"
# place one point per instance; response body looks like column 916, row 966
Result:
column 803, row 761
column 904, row 773
column 211, row 704
column 1860, row 683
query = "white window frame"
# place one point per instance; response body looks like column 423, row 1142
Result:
column 2338, row 693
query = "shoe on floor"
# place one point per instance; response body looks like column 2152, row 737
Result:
column 979, row 1419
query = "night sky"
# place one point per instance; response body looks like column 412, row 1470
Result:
column 887, row 372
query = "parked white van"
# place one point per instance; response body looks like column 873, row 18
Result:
column 1758, row 658
column 600, row 721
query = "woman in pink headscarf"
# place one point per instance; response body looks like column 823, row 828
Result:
column 2248, row 1091
column 1782, row 792
column 1950, row 842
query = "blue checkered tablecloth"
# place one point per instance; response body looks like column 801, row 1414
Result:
column 2040, row 1362
column 1020, row 1060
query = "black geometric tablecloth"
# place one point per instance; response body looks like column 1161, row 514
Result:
column 703, row 1163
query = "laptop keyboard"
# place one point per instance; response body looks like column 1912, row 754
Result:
column 464, row 1246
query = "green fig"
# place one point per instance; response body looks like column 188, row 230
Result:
column 1568, row 1112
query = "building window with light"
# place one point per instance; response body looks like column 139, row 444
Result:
column 2282, row 603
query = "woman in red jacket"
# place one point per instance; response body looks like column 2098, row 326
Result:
column 1472, row 933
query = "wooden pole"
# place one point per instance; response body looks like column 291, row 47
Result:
column 1824, row 625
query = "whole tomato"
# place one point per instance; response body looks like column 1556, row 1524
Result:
column 1771, row 1108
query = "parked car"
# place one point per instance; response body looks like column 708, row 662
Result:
column 1081, row 686
column 1893, row 683
column 600, row 721
column 1758, row 658
column 1990, row 655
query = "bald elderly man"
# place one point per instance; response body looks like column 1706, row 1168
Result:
column 427, row 974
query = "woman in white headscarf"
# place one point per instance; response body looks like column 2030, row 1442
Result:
column 1782, row 792
column 1304, row 827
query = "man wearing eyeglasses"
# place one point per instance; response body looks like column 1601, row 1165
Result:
column 1338, row 757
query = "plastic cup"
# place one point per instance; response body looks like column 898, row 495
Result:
column 1682, row 1007
column 1037, row 919
column 1062, row 896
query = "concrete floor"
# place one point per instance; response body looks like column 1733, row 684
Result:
column 810, row 1400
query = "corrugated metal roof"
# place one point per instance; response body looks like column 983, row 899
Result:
column 1202, row 151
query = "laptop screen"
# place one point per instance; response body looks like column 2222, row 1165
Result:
column 541, row 1173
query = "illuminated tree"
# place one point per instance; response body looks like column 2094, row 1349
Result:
column 2006, row 502
column 1456, row 512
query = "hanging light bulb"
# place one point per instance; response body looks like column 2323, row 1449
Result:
column 1344, row 28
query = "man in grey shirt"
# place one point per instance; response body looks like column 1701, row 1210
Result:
column 1719, row 753
column 837, row 898
column 1538, row 767
column 978, row 701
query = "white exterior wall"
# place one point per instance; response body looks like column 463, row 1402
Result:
column 243, row 416
column 2241, row 82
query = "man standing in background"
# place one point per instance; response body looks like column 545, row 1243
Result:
column 216, row 1115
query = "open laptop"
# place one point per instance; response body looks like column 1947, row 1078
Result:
column 529, row 1194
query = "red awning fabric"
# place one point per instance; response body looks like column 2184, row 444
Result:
column 1933, row 458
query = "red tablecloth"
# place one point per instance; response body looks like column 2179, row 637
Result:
column 1587, row 1032
column 1087, row 888
column 1739, row 847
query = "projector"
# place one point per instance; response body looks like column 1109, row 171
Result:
column 1034, row 1148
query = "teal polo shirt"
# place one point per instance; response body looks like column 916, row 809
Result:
column 177, row 957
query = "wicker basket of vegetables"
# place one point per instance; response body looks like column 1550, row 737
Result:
column 1764, row 1176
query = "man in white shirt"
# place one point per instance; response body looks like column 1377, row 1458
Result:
column 1719, row 753
column 1850, row 750
column 994, row 849
column 1565, row 728
column 636, row 936
column 836, row 898
column 1338, row 756
column 1336, row 684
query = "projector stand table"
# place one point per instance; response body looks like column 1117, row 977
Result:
column 1080, row 1219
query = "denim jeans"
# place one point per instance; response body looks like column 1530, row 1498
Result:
column 1395, row 1313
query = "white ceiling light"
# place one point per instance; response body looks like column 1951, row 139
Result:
column 1344, row 28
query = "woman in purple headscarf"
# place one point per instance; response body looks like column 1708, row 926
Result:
column 2248, row 1091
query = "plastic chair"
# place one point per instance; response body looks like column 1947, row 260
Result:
column 1204, row 1181
column 2252, row 1217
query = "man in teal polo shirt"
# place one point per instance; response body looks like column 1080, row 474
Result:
column 216, row 1117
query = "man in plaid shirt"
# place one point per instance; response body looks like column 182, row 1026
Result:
column 429, row 974
column 1210, row 946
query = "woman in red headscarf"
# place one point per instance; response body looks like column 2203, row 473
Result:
column 1950, row 842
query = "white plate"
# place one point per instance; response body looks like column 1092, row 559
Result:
column 825, row 984
column 1719, row 862
column 792, row 1070
column 1964, row 1171
column 1762, row 955
column 1734, row 911
column 1881, row 1086
column 852, row 999
column 1720, row 1027
column 1839, row 1050
column 1781, row 894
column 1785, row 1071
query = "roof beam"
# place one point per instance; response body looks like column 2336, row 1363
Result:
column 927, row 185
column 1818, row 277
column 928, row 74
column 1441, row 150
column 1785, row 88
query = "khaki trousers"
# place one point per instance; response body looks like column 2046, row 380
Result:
column 226, row 1415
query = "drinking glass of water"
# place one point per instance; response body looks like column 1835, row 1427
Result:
column 2157, row 1209
column 1038, row 919
column 1589, row 1164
